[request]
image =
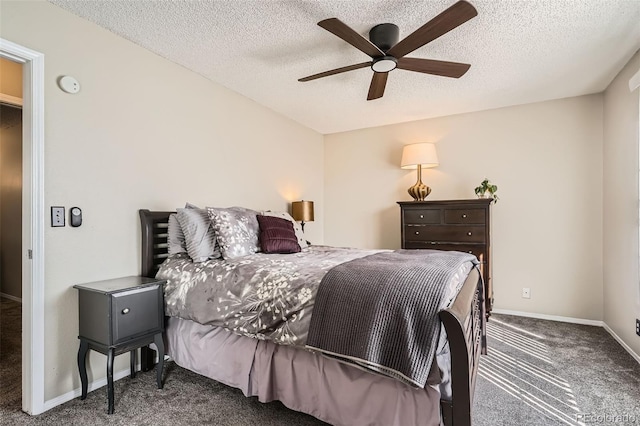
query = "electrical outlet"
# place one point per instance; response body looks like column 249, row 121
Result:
column 57, row 216
column 638, row 327
column 526, row 293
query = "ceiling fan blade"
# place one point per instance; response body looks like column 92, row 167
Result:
column 431, row 66
column 336, row 71
column 346, row 33
column 454, row 16
column 378, row 83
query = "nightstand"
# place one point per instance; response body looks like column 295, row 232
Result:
column 118, row 316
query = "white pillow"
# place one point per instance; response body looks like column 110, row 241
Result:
column 302, row 242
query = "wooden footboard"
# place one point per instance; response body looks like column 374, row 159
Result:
column 464, row 321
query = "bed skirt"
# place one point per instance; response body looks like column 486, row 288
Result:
column 302, row 380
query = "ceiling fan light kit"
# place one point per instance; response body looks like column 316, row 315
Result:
column 384, row 64
column 387, row 53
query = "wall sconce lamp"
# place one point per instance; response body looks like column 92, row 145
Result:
column 417, row 156
column 302, row 211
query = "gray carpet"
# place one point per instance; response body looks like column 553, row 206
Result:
column 10, row 356
column 537, row 373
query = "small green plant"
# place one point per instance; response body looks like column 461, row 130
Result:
column 485, row 188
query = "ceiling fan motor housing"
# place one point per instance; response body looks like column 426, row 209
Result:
column 384, row 36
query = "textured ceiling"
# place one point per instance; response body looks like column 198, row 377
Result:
column 519, row 51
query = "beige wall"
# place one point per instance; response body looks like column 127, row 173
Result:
column 10, row 78
column 546, row 159
column 620, row 250
column 142, row 133
column 11, row 200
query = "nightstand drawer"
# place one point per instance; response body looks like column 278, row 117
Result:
column 135, row 313
column 463, row 234
column 422, row 216
column 462, row 216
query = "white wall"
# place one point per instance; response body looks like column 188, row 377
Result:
column 142, row 133
column 546, row 159
column 620, row 249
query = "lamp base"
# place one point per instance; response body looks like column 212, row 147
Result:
column 419, row 191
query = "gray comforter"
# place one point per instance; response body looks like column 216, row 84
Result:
column 269, row 296
column 264, row 296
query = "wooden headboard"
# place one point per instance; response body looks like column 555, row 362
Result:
column 154, row 240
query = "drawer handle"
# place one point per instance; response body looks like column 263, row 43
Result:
column 417, row 232
column 464, row 216
column 470, row 252
column 421, row 216
column 469, row 233
column 125, row 311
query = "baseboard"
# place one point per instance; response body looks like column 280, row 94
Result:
column 571, row 320
column 96, row 384
column 10, row 297
column 622, row 343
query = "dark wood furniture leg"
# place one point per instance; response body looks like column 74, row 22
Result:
column 160, row 345
column 133, row 364
column 110, row 358
column 82, row 366
column 146, row 358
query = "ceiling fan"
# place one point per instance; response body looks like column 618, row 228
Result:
column 388, row 54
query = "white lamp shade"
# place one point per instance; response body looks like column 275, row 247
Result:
column 419, row 153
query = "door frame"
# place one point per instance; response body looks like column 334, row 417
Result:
column 33, row 222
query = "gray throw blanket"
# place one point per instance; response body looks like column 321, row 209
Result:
column 381, row 311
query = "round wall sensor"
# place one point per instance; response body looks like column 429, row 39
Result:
column 69, row 84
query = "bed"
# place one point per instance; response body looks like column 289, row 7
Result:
column 324, row 386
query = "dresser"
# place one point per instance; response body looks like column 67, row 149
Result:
column 460, row 225
column 119, row 316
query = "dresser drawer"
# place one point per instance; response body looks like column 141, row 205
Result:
column 423, row 216
column 463, row 216
column 136, row 312
column 462, row 234
column 476, row 250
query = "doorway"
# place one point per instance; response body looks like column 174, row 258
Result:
column 10, row 235
column 33, row 221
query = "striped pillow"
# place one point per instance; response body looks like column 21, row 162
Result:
column 175, row 237
column 198, row 234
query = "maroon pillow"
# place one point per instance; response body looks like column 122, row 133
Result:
column 277, row 235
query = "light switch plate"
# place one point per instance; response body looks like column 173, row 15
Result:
column 57, row 216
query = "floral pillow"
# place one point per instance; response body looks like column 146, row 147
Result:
column 236, row 230
column 302, row 241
